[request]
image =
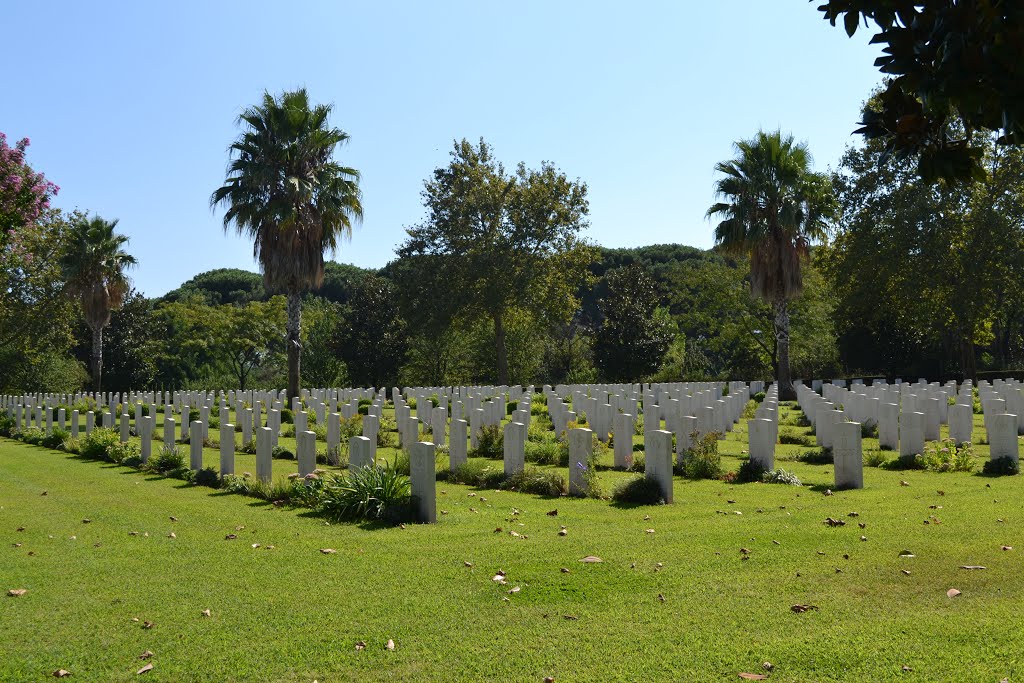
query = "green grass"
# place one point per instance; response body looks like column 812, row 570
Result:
column 295, row 614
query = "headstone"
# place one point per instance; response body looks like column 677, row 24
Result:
column 124, row 428
column 438, row 418
column 848, row 456
column 90, row 422
column 423, row 481
column 961, row 423
column 147, row 424
column 305, row 452
column 74, row 424
column 227, row 448
column 761, row 435
column 457, row 454
column 658, row 460
column 359, row 452
column 195, row 445
column 911, row 434
column 264, row 450
column 1002, row 436
column 333, row 438
column 581, row 449
column 889, row 426
column 623, row 430
column 514, row 448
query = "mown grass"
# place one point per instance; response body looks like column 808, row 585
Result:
column 292, row 613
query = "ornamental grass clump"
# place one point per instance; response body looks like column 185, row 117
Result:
column 366, row 494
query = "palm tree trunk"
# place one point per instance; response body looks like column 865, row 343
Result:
column 292, row 342
column 97, row 358
column 499, row 342
column 782, row 376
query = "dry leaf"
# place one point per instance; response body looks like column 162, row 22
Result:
column 146, row 655
column 515, row 589
column 133, row 533
column 661, row 597
column 230, row 537
column 60, row 673
column 552, row 513
column 828, row 492
column 767, row 666
column 21, row 528
column 972, row 566
column 549, row 679
column 206, row 613
column 16, row 545
column 904, row 483
column 43, row 493
column 148, row 624
column 570, row 617
column 863, row 538
column 1006, row 547
column 564, row 570
column 467, row 563
column 905, row 572
column 800, row 609
column 390, row 645
column 907, row 553
column 148, row 667
column 239, row 527
column 86, row 521
column 174, row 519
column 328, row 551
column 649, row 531
column 17, row 592
column 952, row 593
column 172, row 535
column 906, row 669
column 255, row 545
column 563, row 532
column 590, row 559
column 834, row 522
column 360, row 645
column 752, row 677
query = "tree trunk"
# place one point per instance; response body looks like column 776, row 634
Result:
column 786, row 390
column 499, row 342
column 97, row 358
column 294, row 346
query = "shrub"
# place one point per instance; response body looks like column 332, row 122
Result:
column 702, row 460
column 249, row 447
column 818, row 456
column 948, row 456
column 119, row 452
column 95, row 445
column 33, row 435
column 546, row 453
column 132, row 461
column 639, row 462
column 510, row 408
column 1001, row 466
column 286, row 416
column 387, row 433
column 537, row 482
column 780, row 476
column 875, row 458
column 287, row 430
column 751, row 470
column 367, row 493
column 364, row 402
column 749, row 410
column 281, row 453
column 790, row 437
column 71, row 445
column 759, row 397
column 869, row 430
column 476, row 473
column 169, row 459
column 638, row 491
column 491, row 443
column 905, row 462
column 363, row 409
column 214, row 423
column 207, row 477
column 6, row 425
column 401, row 463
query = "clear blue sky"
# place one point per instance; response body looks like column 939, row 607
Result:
column 130, row 106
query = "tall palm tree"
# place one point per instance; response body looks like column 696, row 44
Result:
column 285, row 192
column 94, row 273
column 773, row 208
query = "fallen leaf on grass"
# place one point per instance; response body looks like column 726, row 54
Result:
column 21, row 528
column 905, row 572
column 904, row 483
column 328, row 551
column 172, row 535
column 230, row 537
column 552, row 513
column 239, row 527
column 563, row 532
column 390, row 645
column 146, row 655
column 549, row 679
column 148, row 667
column 649, row 531
column 906, row 669
column 834, row 522
column 800, row 609
column 661, row 597
column 148, row 625
column 570, row 617
column 1006, row 547
column 206, row 613
column 590, row 559
column 515, row 589
column 174, row 519
column 467, row 563
column 17, row 592
column 752, row 677
column 907, row 553
column 61, row 673
column 86, row 521
column 564, row 570
column 360, row 645
column 952, row 593
column 972, row 566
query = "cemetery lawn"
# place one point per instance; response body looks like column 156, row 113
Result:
column 680, row 602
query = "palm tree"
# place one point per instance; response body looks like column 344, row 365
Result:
column 93, row 268
column 285, row 192
column 773, row 209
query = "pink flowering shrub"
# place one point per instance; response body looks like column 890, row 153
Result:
column 24, row 194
